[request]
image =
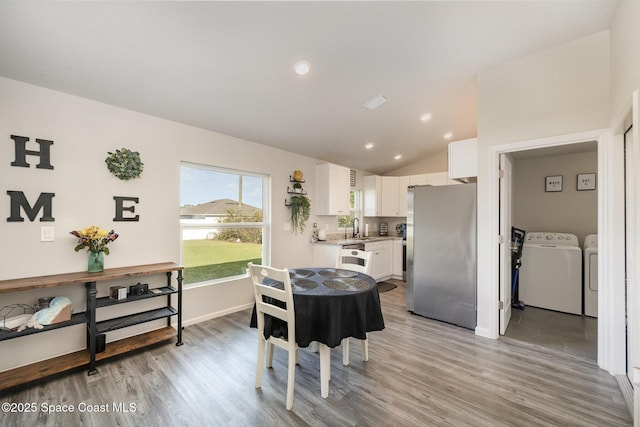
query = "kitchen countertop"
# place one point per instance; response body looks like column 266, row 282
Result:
column 351, row 240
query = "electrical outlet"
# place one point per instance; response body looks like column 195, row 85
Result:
column 46, row 234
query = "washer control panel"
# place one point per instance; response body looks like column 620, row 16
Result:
column 554, row 239
column 591, row 241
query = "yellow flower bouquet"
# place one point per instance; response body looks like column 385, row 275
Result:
column 94, row 238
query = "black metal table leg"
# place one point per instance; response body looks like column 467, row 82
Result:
column 91, row 325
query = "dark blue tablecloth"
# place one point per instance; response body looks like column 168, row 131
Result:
column 330, row 304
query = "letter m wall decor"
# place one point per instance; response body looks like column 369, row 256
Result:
column 19, row 201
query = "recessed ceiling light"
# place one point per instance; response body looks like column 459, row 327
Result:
column 301, row 68
column 397, row 156
column 425, row 117
column 448, row 135
column 368, row 145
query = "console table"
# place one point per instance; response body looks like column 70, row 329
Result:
column 89, row 356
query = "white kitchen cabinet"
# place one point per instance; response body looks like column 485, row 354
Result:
column 403, row 185
column 385, row 195
column 390, row 196
column 381, row 259
column 372, row 195
column 332, row 190
column 396, row 269
column 463, row 159
column 325, row 254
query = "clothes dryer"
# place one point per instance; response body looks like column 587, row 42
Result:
column 551, row 272
column 590, row 266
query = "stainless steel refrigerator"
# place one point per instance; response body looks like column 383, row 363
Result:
column 441, row 253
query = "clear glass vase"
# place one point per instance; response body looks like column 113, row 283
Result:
column 96, row 262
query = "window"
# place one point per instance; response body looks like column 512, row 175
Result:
column 347, row 220
column 222, row 222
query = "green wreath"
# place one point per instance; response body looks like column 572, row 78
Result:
column 125, row 164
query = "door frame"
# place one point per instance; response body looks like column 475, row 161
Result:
column 506, row 222
column 629, row 116
column 611, row 343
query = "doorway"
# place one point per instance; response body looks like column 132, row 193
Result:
column 570, row 209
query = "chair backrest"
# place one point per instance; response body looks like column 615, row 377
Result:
column 354, row 259
column 274, row 296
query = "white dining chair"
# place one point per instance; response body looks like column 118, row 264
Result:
column 269, row 306
column 360, row 261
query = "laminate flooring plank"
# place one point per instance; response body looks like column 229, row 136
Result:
column 420, row 373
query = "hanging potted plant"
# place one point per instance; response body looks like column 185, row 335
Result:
column 300, row 211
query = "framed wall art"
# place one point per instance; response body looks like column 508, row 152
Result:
column 553, row 183
column 586, row 181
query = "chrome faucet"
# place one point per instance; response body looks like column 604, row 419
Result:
column 356, row 227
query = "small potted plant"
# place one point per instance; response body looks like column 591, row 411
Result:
column 297, row 187
column 300, row 211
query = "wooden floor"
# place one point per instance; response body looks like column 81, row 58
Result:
column 420, row 373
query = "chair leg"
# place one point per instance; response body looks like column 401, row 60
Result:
column 345, row 351
column 365, row 349
column 325, row 370
column 260, row 364
column 291, row 377
column 270, row 347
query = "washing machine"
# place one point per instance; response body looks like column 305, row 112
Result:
column 590, row 266
column 551, row 272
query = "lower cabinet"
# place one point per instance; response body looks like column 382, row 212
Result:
column 381, row 259
column 325, row 254
column 398, row 248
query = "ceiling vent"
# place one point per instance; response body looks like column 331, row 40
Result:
column 375, row 102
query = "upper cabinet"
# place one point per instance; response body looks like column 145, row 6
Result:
column 332, row 189
column 372, row 195
column 382, row 196
column 387, row 195
column 463, row 159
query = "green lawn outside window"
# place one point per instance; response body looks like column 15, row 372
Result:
column 215, row 259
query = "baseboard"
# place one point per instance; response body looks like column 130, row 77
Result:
column 627, row 391
column 484, row 332
column 216, row 314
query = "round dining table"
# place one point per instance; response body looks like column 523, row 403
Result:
column 330, row 304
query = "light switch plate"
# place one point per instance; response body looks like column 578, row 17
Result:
column 46, row 234
column 287, row 226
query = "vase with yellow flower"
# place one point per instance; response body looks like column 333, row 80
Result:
column 95, row 239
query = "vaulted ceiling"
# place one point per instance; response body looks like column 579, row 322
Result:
column 228, row 66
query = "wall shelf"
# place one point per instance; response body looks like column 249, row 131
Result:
column 300, row 193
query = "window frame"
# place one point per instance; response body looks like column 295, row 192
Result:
column 265, row 224
column 356, row 209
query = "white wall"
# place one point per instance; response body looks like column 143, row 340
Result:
column 625, row 67
column 83, row 132
column 625, row 55
column 568, row 211
column 438, row 162
column 558, row 91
